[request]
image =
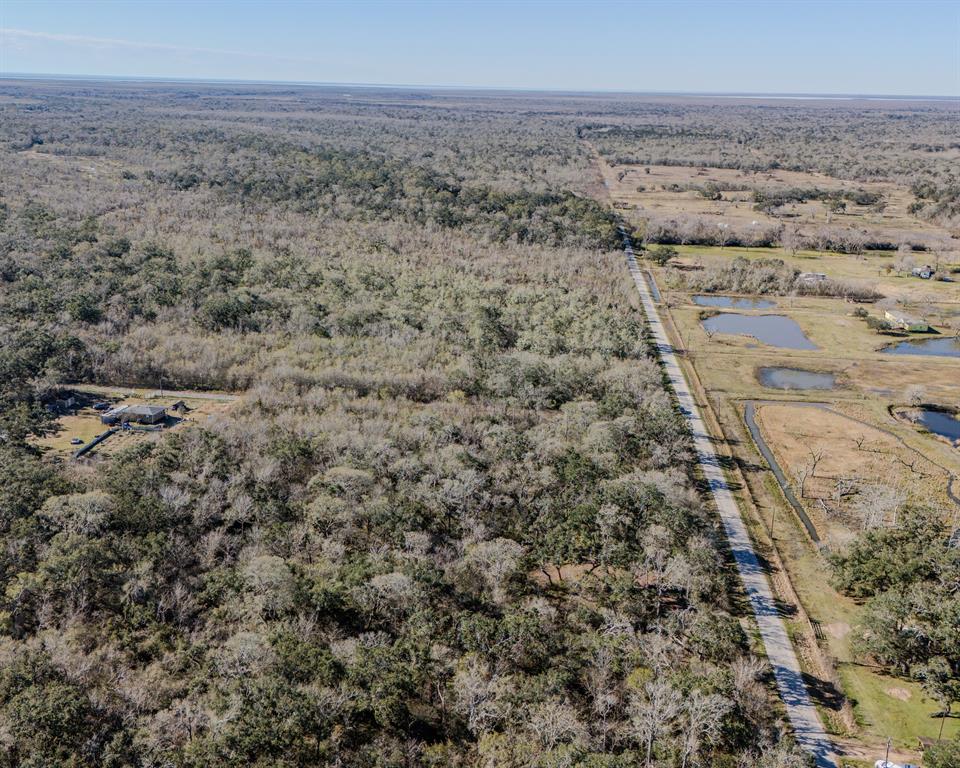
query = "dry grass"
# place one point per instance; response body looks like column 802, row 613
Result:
column 847, row 449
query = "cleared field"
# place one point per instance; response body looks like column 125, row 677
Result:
column 85, row 424
column 728, row 196
column 870, row 269
column 824, row 451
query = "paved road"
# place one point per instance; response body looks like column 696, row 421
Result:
column 800, row 710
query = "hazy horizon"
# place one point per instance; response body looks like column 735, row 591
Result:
column 785, row 95
column 741, row 48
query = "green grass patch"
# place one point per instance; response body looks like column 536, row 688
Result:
column 890, row 706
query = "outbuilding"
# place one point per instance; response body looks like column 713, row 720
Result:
column 924, row 273
column 906, row 322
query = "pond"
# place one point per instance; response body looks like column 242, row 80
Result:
column 795, row 378
column 732, row 302
column 939, row 422
column 775, row 330
column 939, row 347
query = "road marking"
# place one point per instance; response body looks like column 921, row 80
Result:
column 801, row 712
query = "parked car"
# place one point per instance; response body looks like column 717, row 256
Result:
column 101, row 407
column 76, row 441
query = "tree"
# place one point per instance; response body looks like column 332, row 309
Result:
column 653, row 713
column 941, row 681
column 704, row 721
column 555, row 722
column 915, row 394
column 662, row 254
column 944, row 754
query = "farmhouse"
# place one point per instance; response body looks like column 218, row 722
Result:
column 906, row 322
column 139, row 414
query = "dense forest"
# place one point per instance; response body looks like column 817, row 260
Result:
column 452, row 519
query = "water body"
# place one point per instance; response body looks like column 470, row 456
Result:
column 732, row 302
column 774, row 330
column 939, row 347
column 940, row 423
column 795, row 378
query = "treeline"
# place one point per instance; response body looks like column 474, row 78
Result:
column 702, row 230
column 940, row 204
column 770, row 201
column 769, row 276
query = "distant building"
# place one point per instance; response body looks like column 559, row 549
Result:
column 62, row 405
column 812, row 277
column 906, row 322
column 924, row 273
column 139, row 414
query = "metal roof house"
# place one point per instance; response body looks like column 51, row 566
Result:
column 140, row 414
column 906, row 322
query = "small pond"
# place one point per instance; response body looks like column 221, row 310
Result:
column 775, row 330
column 732, row 302
column 938, row 347
column 795, row 378
column 940, row 423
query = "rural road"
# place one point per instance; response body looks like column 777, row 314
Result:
column 800, row 710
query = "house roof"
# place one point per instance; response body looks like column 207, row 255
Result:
column 902, row 317
column 146, row 410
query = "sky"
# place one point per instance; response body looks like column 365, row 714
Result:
column 780, row 46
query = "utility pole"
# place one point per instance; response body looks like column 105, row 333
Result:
column 886, row 760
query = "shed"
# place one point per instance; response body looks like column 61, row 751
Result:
column 906, row 322
column 924, row 273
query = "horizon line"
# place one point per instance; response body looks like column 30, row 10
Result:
column 55, row 77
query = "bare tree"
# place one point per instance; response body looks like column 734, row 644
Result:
column 704, row 722
column 816, row 456
column 801, row 474
column 653, row 714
